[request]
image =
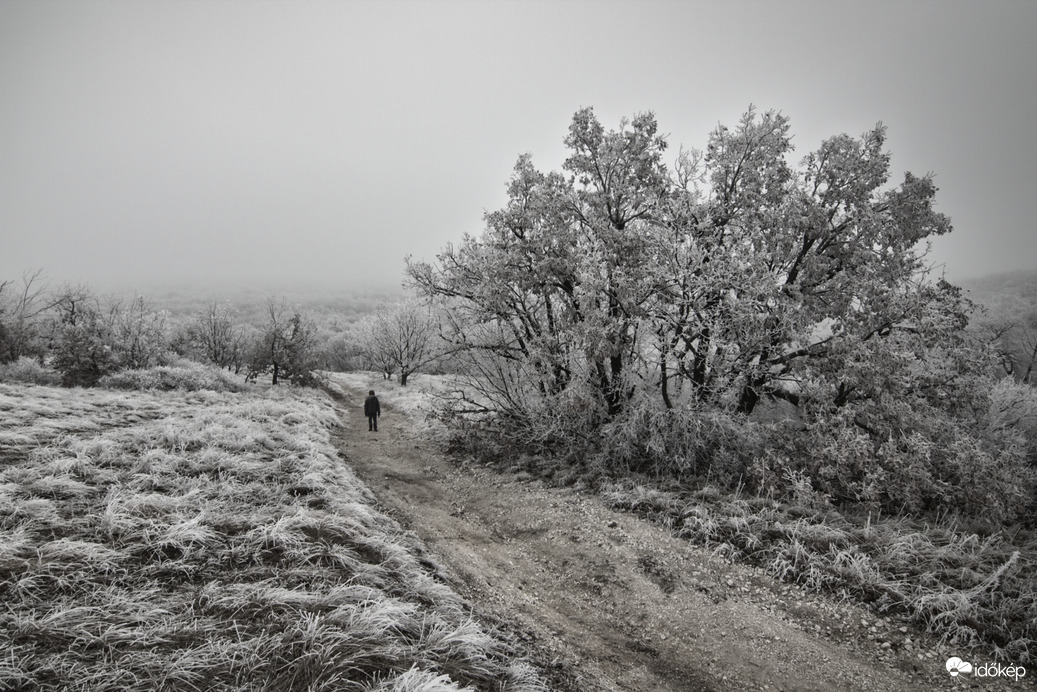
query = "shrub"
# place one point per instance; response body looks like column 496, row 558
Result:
column 96, row 338
column 86, row 350
column 1013, row 411
column 287, row 348
column 186, row 377
column 28, row 371
column 684, row 442
column 923, row 465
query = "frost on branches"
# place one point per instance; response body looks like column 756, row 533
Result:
column 623, row 289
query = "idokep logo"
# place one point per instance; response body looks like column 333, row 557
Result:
column 956, row 667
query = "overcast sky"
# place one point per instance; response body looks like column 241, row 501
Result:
column 148, row 142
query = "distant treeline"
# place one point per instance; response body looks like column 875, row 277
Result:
column 80, row 337
column 1009, row 316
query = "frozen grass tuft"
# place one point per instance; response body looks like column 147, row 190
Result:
column 415, row 680
column 212, row 540
column 27, row 370
column 186, row 376
column 966, row 590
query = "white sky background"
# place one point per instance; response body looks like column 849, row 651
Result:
column 238, row 143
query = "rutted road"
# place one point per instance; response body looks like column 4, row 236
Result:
column 613, row 601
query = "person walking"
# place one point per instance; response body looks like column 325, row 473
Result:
column 372, row 409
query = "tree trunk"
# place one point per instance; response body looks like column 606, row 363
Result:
column 749, row 398
column 664, row 378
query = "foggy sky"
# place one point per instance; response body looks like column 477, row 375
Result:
column 146, row 143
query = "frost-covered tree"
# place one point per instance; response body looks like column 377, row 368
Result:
column 399, row 338
column 776, row 270
column 213, row 337
column 287, row 347
column 559, row 283
column 94, row 337
column 140, row 333
column 619, row 291
column 22, row 308
column 718, row 280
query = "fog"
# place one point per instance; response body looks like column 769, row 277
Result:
column 240, row 143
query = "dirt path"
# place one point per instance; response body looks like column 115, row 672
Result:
column 614, row 602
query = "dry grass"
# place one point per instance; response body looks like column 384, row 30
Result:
column 185, row 375
column 205, row 540
column 967, row 590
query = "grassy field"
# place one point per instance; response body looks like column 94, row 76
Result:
column 214, row 540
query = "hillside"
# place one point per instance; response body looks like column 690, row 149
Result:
column 1013, row 294
column 262, row 538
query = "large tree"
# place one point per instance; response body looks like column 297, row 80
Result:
column 774, row 269
column 619, row 291
column 720, row 280
column 635, row 314
column 559, row 284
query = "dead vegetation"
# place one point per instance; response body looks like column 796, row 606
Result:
column 205, row 540
column 965, row 589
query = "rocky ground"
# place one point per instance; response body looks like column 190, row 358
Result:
column 608, row 601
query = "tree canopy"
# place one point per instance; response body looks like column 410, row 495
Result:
column 720, row 279
column 733, row 275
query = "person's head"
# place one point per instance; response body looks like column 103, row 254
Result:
column 371, row 392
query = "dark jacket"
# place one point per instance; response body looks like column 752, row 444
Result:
column 371, row 406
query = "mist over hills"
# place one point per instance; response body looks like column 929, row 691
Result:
column 186, row 298
column 1009, row 293
column 1012, row 294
